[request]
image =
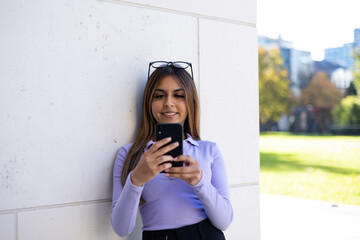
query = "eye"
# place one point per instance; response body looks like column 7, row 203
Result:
column 179, row 96
column 159, row 96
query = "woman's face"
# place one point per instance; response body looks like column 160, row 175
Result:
column 168, row 104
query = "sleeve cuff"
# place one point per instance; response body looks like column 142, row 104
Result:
column 200, row 184
column 131, row 184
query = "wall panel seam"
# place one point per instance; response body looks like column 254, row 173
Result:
column 61, row 205
column 243, row 184
column 16, row 224
column 204, row 16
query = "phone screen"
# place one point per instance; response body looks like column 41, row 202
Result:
column 175, row 131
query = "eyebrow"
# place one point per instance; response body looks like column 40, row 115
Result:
column 177, row 90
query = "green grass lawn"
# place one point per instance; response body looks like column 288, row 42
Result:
column 317, row 167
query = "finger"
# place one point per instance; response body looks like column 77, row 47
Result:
column 184, row 158
column 188, row 160
column 164, row 167
column 162, row 159
column 180, row 175
column 166, row 149
column 159, row 144
column 184, row 172
column 178, row 170
column 193, row 169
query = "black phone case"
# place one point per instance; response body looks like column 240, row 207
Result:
column 175, row 131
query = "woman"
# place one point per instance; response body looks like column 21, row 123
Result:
column 189, row 202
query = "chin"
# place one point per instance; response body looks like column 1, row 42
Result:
column 170, row 121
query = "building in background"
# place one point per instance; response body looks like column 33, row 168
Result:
column 297, row 62
column 340, row 55
column 338, row 62
column 338, row 65
column 284, row 46
column 338, row 74
column 343, row 55
column 301, row 70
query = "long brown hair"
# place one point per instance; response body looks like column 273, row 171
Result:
column 146, row 131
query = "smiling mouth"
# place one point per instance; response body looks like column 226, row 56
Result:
column 169, row 114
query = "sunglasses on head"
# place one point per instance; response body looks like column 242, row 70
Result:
column 176, row 64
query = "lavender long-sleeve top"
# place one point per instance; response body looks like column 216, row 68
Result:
column 171, row 202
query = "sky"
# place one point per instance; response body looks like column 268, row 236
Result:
column 312, row 25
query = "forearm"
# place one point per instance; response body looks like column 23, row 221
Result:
column 217, row 207
column 124, row 210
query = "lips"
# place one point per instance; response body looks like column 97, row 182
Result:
column 169, row 114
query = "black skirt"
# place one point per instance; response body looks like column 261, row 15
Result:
column 200, row 231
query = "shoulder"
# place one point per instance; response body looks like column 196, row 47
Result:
column 199, row 143
column 210, row 146
column 126, row 147
column 122, row 152
column 209, row 151
column 205, row 143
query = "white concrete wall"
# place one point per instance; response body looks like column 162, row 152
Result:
column 71, row 77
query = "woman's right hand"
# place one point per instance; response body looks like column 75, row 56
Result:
column 150, row 163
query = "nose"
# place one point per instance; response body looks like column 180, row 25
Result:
column 168, row 102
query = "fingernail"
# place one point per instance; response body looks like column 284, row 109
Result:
column 168, row 138
column 166, row 174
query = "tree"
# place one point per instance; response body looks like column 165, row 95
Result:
column 356, row 70
column 274, row 91
column 351, row 90
column 322, row 95
column 348, row 111
column 321, row 92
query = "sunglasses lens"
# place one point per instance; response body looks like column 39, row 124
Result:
column 178, row 64
column 159, row 64
column 183, row 65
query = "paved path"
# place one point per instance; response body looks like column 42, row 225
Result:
column 288, row 218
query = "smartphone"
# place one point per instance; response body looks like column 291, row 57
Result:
column 175, row 131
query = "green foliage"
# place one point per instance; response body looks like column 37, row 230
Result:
column 351, row 90
column 356, row 71
column 274, row 91
column 348, row 111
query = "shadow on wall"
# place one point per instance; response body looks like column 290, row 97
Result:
column 137, row 232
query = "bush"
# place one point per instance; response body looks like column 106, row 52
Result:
column 348, row 111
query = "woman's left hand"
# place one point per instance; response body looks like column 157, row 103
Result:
column 191, row 172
